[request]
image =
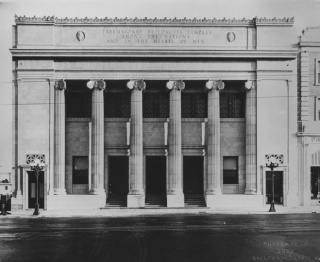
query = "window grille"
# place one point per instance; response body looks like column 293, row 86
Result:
column 194, row 105
column 156, row 105
column 232, row 105
column 30, row 158
column 279, row 157
column 78, row 104
column 117, row 105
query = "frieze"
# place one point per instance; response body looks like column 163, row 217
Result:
column 106, row 20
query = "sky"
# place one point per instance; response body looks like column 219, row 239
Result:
column 305, row 12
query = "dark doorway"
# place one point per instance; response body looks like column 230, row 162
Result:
column 156, row 171
column 315, row 178
column 118, row 175
column 32, row 189
column 278, row 187
column 193, row 174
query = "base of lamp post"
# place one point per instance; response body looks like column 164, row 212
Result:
column 272, row 209
column 36, row 210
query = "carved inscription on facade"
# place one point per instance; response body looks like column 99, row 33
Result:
column 156, row 36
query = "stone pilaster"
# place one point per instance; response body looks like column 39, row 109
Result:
column 59, row 187
column 136, row 196
column 213, row 148
column 175, row 197
column 251, row 138
column 97, row 139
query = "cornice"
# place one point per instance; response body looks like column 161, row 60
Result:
column 254, row 54
column 146, row 21
column 301, row 134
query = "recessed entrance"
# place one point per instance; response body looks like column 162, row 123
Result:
column 193, row 174
column 118, row 175
column 315, row 178
column 156, row 170
column 32, row 189
column 278, row 187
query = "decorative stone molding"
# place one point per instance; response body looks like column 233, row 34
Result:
column 60, row 84
column 249, row 85
column 106, row 20
column 34, row 19
column 264, row 20
column 80, row 35
column 219, row 85
column 279, row 157
column 99, row 84
column 136, row 84
column 179, row 85
column 231, row 36
column 30, row 158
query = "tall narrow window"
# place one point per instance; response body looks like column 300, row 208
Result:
column 194, row 105
column 230, row 170
column 80, row 170
column 317, row 72
column 318, row 107
column 156, row 105
column 232, row 104
column 78, row 99
column 117, row 105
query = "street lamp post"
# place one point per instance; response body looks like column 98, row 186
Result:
column 37, row 166
column 272, row 163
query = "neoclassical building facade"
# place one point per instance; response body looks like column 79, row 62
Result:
column 154, row 112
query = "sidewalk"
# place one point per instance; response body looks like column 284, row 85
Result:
column 132, row 212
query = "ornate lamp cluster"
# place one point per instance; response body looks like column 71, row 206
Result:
column 272, row 163
column 37, row 166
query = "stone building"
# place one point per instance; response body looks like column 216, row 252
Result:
column 154, row 112
column 309, row 116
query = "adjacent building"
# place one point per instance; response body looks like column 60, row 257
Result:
column 160, row 112
column 309, row 116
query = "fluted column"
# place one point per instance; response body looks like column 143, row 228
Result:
column 97, row 138
column 136, row 197
column 175, row 197
column 59, row 138
column 213, row 148
column 251, row 138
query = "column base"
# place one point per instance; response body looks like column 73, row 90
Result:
column 60, row 191
column 136, row 201
column 250, row 191
column 97, row 191
column 18, row 194
column 175, row 200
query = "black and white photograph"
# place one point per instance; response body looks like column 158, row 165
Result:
column 160, row 130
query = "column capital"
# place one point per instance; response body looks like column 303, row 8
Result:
column 176, row 84
column 136, row 84
column 250, row 84
column 214, row 85
column 98, row 84
column 60, row 84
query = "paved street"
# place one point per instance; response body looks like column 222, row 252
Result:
column 202, row 237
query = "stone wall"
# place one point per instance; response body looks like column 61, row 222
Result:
column 233, row 143
column 77, row 144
